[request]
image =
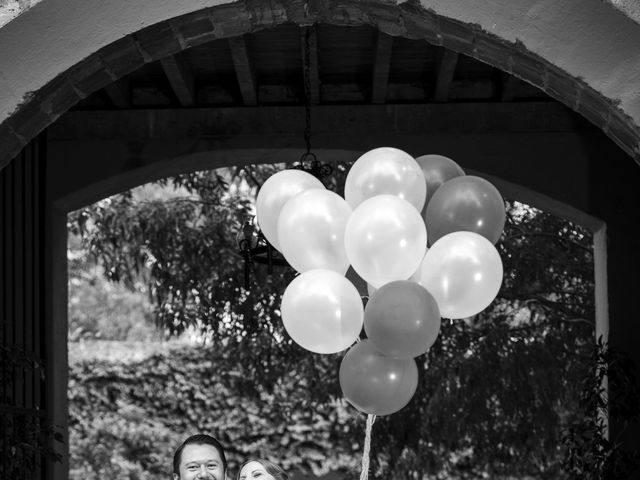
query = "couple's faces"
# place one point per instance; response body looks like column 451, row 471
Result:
column 254, row 470
column 201, row 462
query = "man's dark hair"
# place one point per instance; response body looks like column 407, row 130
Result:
column 198, row 439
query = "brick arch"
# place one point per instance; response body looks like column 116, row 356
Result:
column 547, row 45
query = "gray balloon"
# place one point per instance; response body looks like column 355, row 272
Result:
column 466, row 203
column 437, row 170
column 402, row 319
column 375, row 383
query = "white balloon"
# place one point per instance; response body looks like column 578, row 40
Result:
column 385, row 239
column 463, row 272
column 383, row 171
column 274, row 193
column 311, row 231
column 322, row 311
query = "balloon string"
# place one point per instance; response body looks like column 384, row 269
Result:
column 364, row 474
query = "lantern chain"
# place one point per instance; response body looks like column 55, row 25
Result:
column 307, row 91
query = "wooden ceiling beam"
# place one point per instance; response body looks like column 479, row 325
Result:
column 381, row 65
column 244, row 70
column 314, row 76
column 119, row 92
column 446, row 69
column 266, row 122
column 289, row 94
column 180, row 76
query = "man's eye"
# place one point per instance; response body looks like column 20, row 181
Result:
column 258, row 474
column 192, row 467
column 212, row 465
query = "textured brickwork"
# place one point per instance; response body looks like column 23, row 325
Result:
column 89, row 75
column 457, row 36
column 231, row 20
column 560, row 85
column 194, row 30
column 494, row 53
column 122, row 57
column 527, row 67
column 28, row 121
column 421, row 24
column 158, row 41
column 58, row 96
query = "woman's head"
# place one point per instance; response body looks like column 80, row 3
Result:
column 261, row 469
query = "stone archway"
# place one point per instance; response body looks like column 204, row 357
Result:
column 582, row 53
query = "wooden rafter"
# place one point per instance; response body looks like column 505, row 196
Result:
column 119, row 92
column 244, row 70
column 446, row 69
column 314, row 77
column 382, row 62
column 180, row 76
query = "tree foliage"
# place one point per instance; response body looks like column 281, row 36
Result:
column 590, row 452
column 496, row 391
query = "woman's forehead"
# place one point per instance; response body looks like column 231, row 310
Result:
column 251, row 466
column 193, row 452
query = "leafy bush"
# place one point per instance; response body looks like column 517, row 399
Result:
column 126, row 419
column 124, row 444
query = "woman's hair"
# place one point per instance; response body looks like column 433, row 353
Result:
column 272, row 469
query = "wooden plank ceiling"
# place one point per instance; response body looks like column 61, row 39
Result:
column 347, row 65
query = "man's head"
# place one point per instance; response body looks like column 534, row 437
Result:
column 200, row 457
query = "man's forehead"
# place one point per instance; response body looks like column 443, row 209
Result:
column 200, row 452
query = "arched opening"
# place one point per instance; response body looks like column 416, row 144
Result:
column 507, row 189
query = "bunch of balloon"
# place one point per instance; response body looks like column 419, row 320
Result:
column 321, row 310
column 380, row 229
